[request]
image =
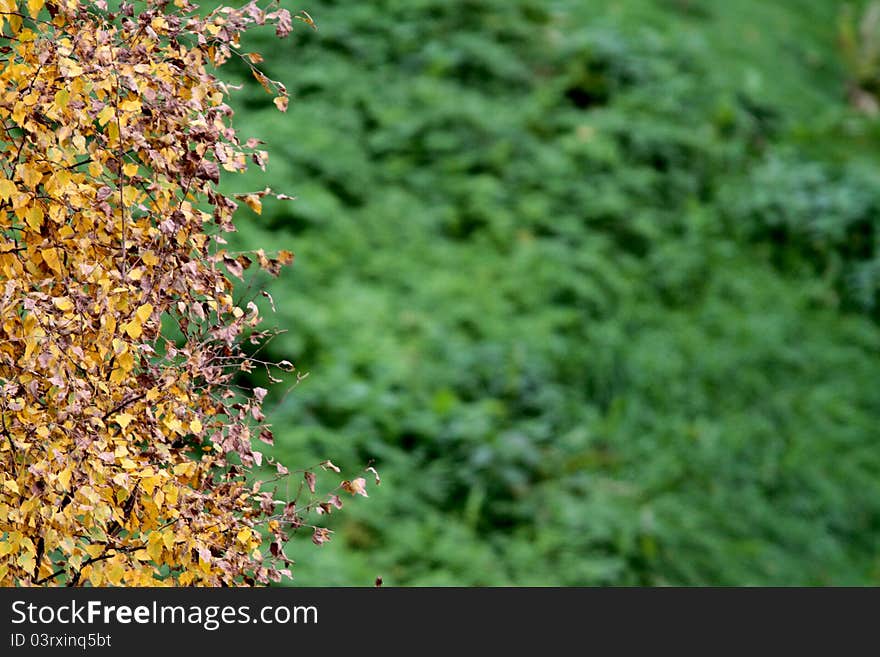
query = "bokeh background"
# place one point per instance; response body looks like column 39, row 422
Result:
column 594, row 282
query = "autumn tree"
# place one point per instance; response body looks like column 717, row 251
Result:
column 126, row 453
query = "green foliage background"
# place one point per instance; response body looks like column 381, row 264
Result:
column 595, row 283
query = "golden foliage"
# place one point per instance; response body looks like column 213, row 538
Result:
column 115, row 437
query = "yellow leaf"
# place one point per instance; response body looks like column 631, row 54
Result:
column 34, row 218
column 14, row 22
column 58, row 213
column 70, row 68
column 150, row 258
column 20, row 109
column 57, row 182
column 133, row 329
column 130, row 169
column 26, row 561
column 129, row 195
column 154, row 547
column 64, row 478
column 195, row 426
column 124, row 419
column 254, row 203
column 34, row 7
column 133, row 105
column 30, row 344
column 29, row 174
column 94, row 551
column 10, row 484
column 62, row 97
column 205, row 566
column 125, row 361
column 143, row 313
column 63, row 304
column 50, row 257
column 149, row 484
column 95, row 576
column 7, row 189
column 105, row 115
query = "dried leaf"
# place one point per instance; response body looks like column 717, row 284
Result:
column 356, row 486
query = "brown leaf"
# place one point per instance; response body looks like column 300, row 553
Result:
column 264, row 81
column 267, row 437
column 209, row 170
column 321, row 535
column 356, row 486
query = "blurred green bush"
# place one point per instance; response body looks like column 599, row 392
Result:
column 594, row 283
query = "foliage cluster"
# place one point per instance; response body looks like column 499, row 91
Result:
column 125, row 440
